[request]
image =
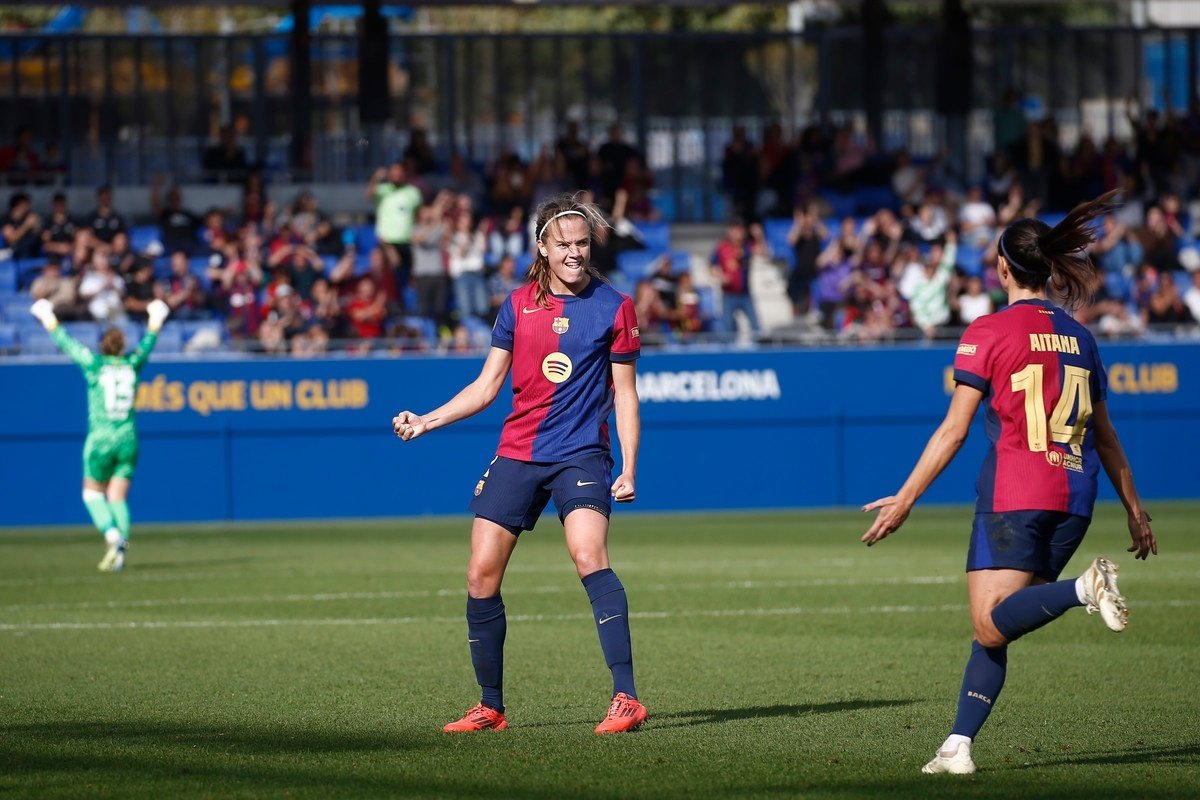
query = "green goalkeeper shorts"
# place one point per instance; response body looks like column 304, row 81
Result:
column 110, row 454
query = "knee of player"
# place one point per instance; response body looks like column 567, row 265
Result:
column 987, row 635
column 587, row 562
column 482, row 580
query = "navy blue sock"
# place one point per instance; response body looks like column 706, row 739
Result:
column 1030, row 608
column 611, row 610
column 982, row 682
column 486, row 627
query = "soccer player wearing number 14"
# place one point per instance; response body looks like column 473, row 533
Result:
column 1039, row 374
column 111, row 449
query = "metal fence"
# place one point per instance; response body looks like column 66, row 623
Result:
column 122, row 109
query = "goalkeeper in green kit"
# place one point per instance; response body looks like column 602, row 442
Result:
column 111, row 450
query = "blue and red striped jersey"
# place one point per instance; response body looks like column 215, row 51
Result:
column 1042, row 375
column 561, row 375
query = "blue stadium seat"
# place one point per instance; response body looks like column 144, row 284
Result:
column 362, row 263
column 869, row 199
column 970, row 259
column 170, row 338
column 708, row 302
column 480, row 332
column 681, row 262
column 840, row 205
column 16, row 308
column 424, row 325
column 655, row 235
column 365, row 234
column 1118, row 286
column 36, row 342
column 621, row 282
column 637, row 264
column 8, row 338
column 86, row 333
column 8, row 275
column 141, row 236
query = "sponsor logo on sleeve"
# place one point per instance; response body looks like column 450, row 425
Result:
column 965, row 349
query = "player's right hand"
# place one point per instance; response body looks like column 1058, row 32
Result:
column 1144, row 542
column 408, row 426
column 44, row 311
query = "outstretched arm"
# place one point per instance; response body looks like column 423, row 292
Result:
column 1116, row 465
column 44, row 311
column 939, row 451
column 475, row 397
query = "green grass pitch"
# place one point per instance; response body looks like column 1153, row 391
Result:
column 777, row 655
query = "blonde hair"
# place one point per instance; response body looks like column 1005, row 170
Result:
column 112, row 343
column 547, row 218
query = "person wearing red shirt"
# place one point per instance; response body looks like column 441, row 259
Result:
column 1039, row 376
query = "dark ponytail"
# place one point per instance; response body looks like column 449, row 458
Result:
column 1038, row 255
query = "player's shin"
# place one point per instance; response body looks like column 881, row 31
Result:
column 486, row 629
column 982, row 681
column 120, row 515
column 610, row 607
column 99, row 510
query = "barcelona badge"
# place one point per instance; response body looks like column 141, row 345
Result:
column 478, row 488
column 560, row 325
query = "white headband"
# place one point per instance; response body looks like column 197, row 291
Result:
column 556, row 216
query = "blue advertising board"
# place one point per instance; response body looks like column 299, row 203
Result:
column 262, row 439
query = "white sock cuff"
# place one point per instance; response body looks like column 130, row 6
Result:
column 953, row 741
column 92, row 494
column 1080, row 593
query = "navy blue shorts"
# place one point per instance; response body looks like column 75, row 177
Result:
column 513, row 494
column 1041, row 542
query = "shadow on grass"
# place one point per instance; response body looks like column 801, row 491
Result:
column 717, row 716
column 1184, row 755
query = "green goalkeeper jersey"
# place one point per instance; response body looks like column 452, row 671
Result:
column 111, row 381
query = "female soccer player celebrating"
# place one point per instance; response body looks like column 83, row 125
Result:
column 110, row 451
column 571, row 341
column 1044, row 386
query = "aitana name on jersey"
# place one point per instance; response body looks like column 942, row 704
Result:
column 1053, row 343
column 708, row 386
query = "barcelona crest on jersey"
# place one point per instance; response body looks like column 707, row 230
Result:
column 560, row 325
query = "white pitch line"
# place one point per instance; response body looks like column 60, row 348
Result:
column 645, row 615
column 916, row 580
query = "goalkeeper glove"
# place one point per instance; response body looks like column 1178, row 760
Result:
column 157, row 311
column 44, row 311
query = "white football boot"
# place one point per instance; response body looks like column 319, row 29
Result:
column 956, row 763
column 114, row 557
column 1100, row 593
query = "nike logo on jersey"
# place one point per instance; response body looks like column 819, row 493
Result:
column 472, row 641
column 608, row 619
column 531, row 310
column 584, row 483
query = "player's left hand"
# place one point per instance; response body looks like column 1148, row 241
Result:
column 623, row 490
column 892, row 512
column 1144, row 542
column 157, row 312
column 408, row 426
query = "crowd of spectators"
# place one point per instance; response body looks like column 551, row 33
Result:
column 447, row 245
column 921, row 257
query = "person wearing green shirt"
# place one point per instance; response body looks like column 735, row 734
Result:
column 396, row 203
column 110, row 451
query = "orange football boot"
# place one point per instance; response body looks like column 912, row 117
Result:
column 479, row 718
column 624, row 714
